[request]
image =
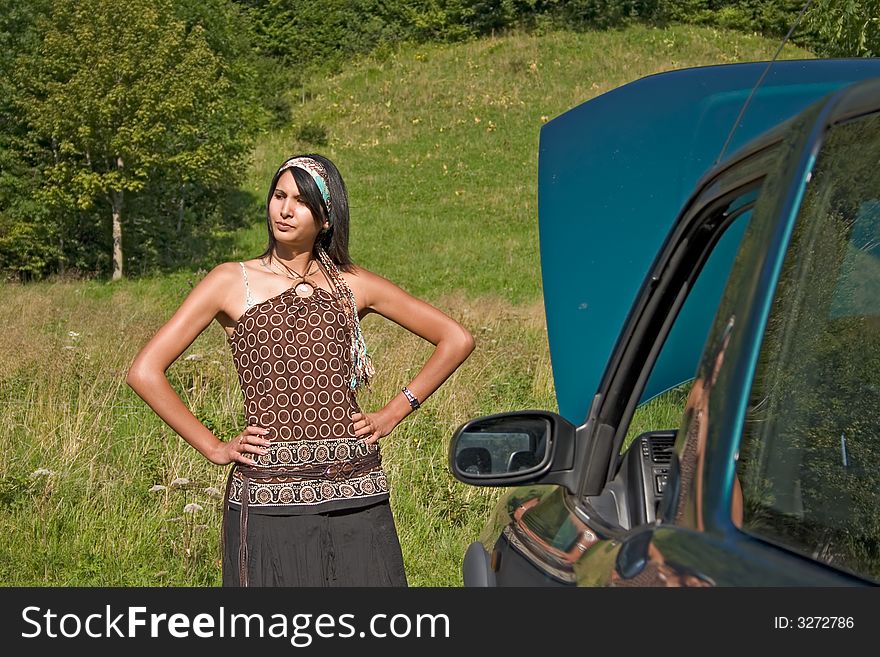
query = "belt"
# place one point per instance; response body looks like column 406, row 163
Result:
column 336, row 471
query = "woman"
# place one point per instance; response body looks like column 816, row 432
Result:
column 307, row 500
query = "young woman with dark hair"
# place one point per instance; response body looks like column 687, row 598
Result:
column 307, row 499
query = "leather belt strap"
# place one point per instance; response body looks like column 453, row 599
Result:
column 336, row 471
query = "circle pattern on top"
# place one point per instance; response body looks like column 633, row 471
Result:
column 280, row 350
column 291, row 354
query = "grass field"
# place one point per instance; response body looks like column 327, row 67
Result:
column 438, row 145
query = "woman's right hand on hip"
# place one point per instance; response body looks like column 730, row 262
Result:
column 239, row 450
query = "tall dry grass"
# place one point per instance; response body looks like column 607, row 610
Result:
column 85, row 452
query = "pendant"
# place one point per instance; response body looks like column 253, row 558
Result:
column 304, row 290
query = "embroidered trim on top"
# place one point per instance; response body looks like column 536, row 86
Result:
column 310, row 492
column 304, row 452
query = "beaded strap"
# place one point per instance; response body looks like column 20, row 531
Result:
column 248, row 299
column 362, row 364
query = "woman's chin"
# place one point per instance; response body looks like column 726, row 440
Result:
column 291, row 239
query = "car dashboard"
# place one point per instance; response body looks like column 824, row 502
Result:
column 634, row 496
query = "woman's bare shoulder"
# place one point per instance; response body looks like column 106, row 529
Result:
column 220, row 291
column 253, row 263
column 223, row 273
column 362, row 274
column 363, row 279
column 372, row 289
column 219, row 282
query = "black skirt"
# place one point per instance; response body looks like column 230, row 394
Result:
column 351, row 547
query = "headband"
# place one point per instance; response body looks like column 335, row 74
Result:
column 318, row 173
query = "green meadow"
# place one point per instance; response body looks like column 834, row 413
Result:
column 438, row 145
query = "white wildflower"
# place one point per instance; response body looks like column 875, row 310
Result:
column 157, row 488
column 41, row 472
column 179, row 482
column 213, row 492
column 73, row 334
column 193, row 507
column 193, row 357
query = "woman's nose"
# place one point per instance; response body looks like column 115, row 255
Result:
column 286, row 208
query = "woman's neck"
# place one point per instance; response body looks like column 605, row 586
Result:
column 291, row 257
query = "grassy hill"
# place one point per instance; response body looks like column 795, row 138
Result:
column 438, row 145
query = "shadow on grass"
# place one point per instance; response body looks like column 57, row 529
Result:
column 160, row 235
column 190, row 242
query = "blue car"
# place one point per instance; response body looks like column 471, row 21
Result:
column 710, row 245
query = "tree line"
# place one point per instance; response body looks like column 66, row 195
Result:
column 334, row 30
column 125, row 125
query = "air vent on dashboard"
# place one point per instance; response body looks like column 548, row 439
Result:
column 661, row 448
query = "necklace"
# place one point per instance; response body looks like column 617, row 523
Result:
column 306, row 287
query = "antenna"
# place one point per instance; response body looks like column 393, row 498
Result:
column 760, row 80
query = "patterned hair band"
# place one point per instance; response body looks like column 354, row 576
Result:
column 318, row 173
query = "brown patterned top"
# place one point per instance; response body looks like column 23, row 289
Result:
column 293, row 360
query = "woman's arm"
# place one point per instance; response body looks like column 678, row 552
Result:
column 147, row 373
column 453, row 344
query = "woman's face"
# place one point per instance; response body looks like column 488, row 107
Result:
column 293, row 223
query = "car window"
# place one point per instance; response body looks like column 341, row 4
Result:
column 663, row 410
column 810, row 452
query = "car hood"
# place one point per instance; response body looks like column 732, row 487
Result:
column 613, row 175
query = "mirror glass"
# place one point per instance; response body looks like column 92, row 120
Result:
column 499, row 446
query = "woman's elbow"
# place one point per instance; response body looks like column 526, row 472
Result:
column 134, row 377
column 138, row 376
column 465, row 342
column 470, row 343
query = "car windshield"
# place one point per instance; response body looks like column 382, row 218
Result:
column 809, row 454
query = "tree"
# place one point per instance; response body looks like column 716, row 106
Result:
column 846, row 28
column 126, row 92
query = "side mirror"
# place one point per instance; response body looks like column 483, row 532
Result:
column 511, row 449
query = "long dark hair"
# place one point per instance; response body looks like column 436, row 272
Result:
column 334, row 240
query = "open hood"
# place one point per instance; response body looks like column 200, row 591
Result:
column 613, row 175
